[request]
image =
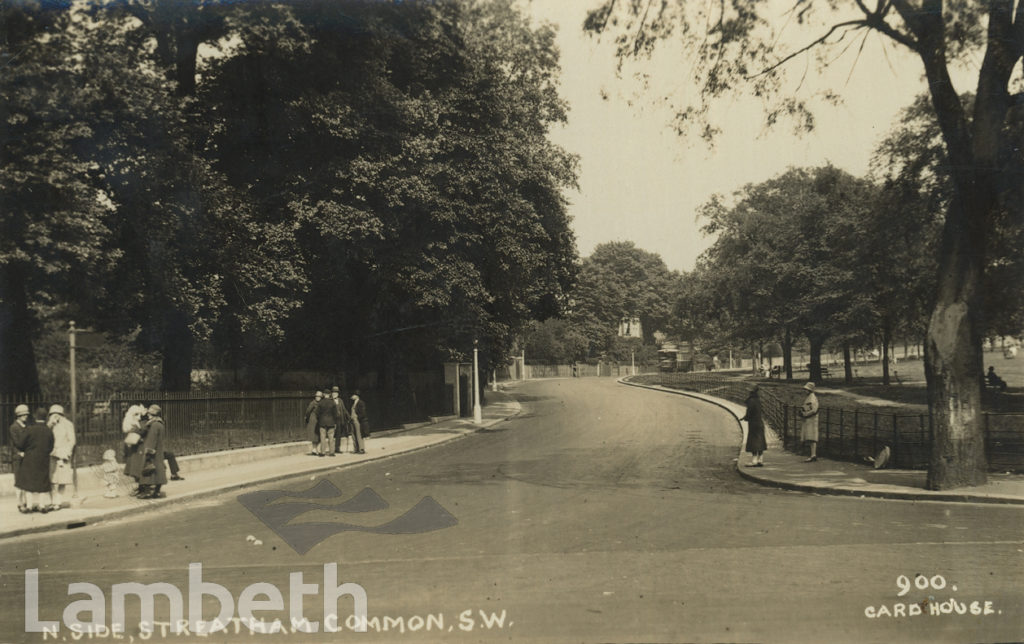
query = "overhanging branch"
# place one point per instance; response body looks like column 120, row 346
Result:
column 854, row 24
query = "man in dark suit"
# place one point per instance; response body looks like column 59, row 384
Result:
column 327, row 421
column 360, row 423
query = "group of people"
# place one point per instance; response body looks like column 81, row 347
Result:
column 43, row 450
column 756, row 441
column 330, row 420
column 145, row 455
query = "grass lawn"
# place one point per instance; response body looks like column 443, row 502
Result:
column 905, row 394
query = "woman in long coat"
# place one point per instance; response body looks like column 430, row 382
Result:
column 61, row 469
column 809, row 426
column 311, row 422
column 756, row 443
column 153, row 474
column 33, row 475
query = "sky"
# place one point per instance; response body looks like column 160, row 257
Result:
column 641, row 182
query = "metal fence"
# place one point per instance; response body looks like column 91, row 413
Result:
column 579, row 370
column 196, row 422
column 853, row 435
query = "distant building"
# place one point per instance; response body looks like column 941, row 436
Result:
column 630, row 328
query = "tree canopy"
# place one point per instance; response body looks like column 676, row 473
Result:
column 330, row 185
column 735, row 49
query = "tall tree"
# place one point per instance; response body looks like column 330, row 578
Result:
column 737, row 52
column 54, row 215
column 783, row 252
column 620, row 281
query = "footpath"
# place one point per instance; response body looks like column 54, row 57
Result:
column 208, row 475
column 789, row 471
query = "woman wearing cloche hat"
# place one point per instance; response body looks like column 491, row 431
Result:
column 809, row 427
column 17, row 431
column 61, row 469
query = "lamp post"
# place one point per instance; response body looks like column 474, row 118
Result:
column 478, row 416
column 74, row 388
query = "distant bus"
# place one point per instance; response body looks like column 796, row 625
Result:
column 673, row 356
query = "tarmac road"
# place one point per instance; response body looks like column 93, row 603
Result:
column 601, row 513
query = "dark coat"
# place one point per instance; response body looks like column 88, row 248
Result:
column 36, row 441
column 327, row 412
column 153, row 448
column 755, row 425
column 311, row 417
column 15, row 431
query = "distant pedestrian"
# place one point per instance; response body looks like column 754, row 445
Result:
column 344, row 429
column 809, row 427
column 310, row 419
column 994, row 380
column 756, row 443
column 33, row 475
column 327, row 422
column 359, row 412
column 153, row 474
column 62, row 471
column 17, row 431
column 359, row 422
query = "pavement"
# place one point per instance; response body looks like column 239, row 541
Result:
column 244, row 467
column 784, row 469
column 209, row 475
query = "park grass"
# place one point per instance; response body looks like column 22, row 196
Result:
column 906, row 393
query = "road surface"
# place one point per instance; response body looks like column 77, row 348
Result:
column 602, row 513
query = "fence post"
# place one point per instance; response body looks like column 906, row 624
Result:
column 785, row 426
column 895, row 439
column 988, row 441
column 874, row 435
column 828, row 418
column 856, row 433
column 841, row 414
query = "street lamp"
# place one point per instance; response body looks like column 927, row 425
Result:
column 478, row 416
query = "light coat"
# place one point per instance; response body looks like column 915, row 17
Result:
column 809, row 413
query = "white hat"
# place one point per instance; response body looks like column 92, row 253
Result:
column 56, row 409
column 21, row 410
column 809, row 386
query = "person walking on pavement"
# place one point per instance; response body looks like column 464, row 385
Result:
column 327, row 422
column 344, row 429
column 153, row 474
column 61, row 469
column 360, row 423
column 809, row 427
column 311, row 423
column 33, row 475
column 756, row 443
column 16, row 431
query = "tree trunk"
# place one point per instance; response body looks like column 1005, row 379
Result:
column 816, row 345
column 176, row 347
column 953, row 365
column 886, row 339
column 953, row 360
column 18, row 371
column 787, row 354
column 847, row 365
